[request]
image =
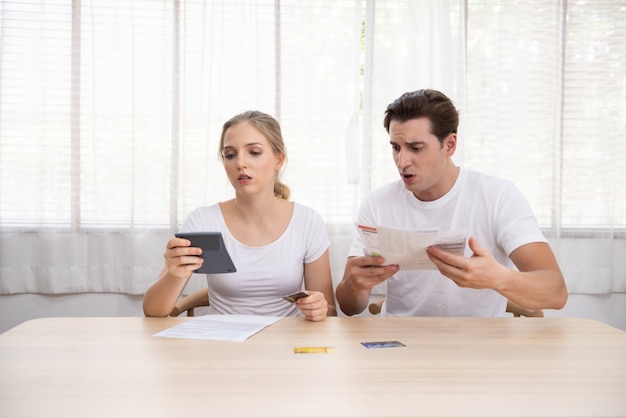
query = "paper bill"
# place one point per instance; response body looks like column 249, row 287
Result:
column 408, row 248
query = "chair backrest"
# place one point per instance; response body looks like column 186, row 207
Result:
column 517, row 310
column 190, row 302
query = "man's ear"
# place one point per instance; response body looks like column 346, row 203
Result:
column 449, row 144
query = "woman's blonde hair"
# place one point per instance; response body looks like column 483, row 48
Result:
column 270, row 128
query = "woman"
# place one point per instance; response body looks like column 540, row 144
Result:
column 275, row 244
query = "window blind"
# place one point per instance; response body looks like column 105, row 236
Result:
column 111, row 111
column 545, row 92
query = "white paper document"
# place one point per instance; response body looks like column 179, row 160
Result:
column 236, row 328
column 408, row 248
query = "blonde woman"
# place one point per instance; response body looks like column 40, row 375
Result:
column 277, row 245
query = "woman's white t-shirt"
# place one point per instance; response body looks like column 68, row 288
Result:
column 266, row 273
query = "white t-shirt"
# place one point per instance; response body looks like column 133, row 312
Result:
column 490, row 209
column 264, row 273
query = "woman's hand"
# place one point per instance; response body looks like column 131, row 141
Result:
column 181, row 259
column 314, row 307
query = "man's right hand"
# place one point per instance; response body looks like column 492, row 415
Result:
column 360, row 276
column 368, row 271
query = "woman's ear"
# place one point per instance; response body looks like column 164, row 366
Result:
column 280, row 160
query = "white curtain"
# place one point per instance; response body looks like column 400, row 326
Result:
column 545, row 108
column 110, row 115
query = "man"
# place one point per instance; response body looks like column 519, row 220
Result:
column 506, row 256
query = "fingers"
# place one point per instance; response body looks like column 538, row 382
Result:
column 314, row 307
column 181, row 258
column 477, row 271
column 368, row 271
column 444, row 263
column 476, row 248
column 442, row 258
column 367, row 261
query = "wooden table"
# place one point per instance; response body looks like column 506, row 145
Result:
column 451, row 367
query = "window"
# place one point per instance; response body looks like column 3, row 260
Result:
column 111, row 111
column 545, row 106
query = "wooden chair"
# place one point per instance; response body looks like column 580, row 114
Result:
column 511, row 307
column 518, row 310
column 190, row 302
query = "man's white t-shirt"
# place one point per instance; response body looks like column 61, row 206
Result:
column 266, row 273
column 490, row 209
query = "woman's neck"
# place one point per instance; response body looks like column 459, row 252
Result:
column 255, row 211
column 257, row 223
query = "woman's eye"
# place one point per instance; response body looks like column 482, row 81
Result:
column 229, row 156
column 255, row 153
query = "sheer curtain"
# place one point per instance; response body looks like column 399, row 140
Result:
column 545, row 108
column 110, row 114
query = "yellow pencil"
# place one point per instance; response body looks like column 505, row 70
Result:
column 306, row 350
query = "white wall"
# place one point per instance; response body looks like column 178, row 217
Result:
column 15, row 309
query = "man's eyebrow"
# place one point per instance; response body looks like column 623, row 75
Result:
column 413, row 143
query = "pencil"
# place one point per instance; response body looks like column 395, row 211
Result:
column 306, row 350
